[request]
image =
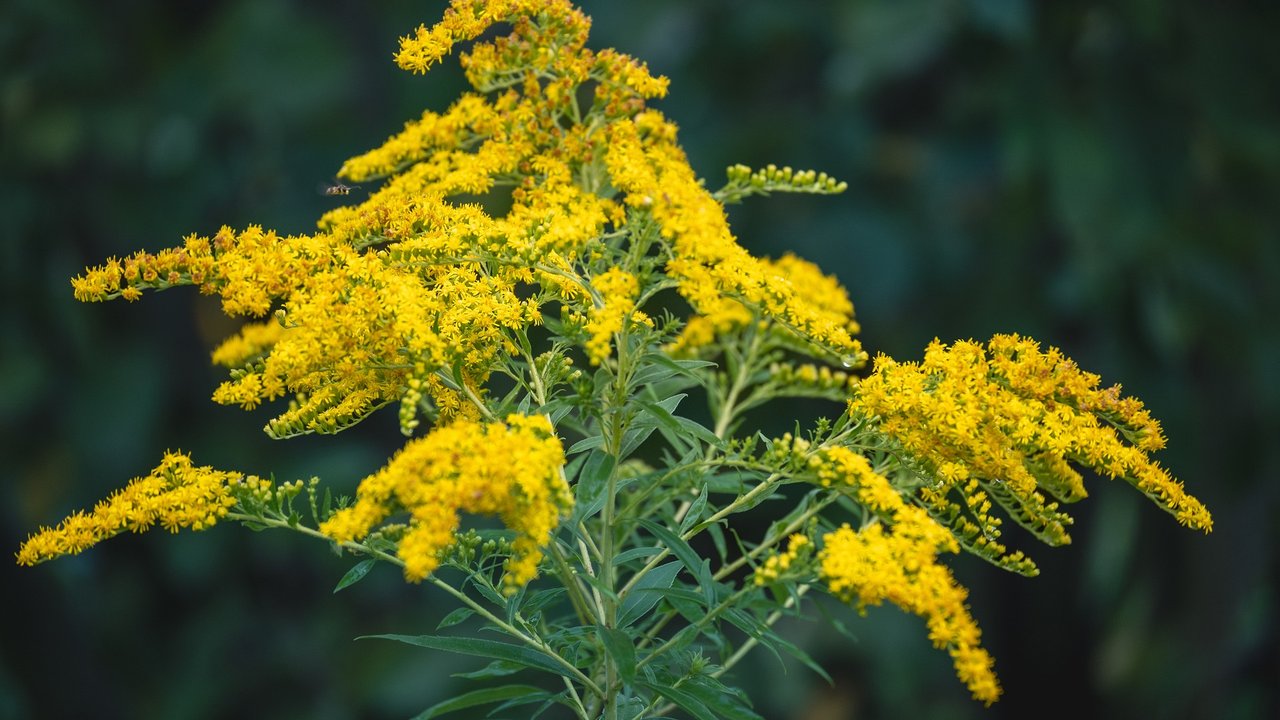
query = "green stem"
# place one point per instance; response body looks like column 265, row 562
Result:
column 615, row 429
column 768, row 623
column 741, row 652
column 571, row 584
column 573, row 693
column 779, row 537
column 724, row 512
column 726, row 570
column 728, row 406
column 539, row 388
column 702, row 622
column 475, row 399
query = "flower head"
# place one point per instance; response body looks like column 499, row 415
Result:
column 1016, row 418
column 512, row 470
column 176, row 494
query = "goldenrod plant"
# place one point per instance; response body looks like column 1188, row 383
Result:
column 546, row 289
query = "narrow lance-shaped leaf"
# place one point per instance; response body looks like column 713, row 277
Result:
column 622, row 649
column 355, row 574
column 646, row 593
column 479, row 697
column 519, row 654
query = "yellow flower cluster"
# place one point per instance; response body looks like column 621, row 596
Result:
column 413, row 282
column 616, row 308
column 541, row 28
column 175, row 495
column 895, row 558
column 511, row 470
column 822, row 295
column 468, row 118
column 1014, row 418
column 254, row 341
column 350, row 327
column 711, row 268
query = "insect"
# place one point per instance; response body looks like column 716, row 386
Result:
column 336, row 188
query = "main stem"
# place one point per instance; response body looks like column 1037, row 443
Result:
column 614, row 427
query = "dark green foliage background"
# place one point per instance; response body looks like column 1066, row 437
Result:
column 1105, row 177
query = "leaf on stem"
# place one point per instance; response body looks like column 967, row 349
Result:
column 518, row 654
column 355, row 574
column 622, row 649
column 479, row 697
column 453, row 618
column 646, row 592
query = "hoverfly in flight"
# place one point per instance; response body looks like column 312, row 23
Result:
column 336, row 188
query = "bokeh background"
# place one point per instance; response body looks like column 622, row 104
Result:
column 1103, row 176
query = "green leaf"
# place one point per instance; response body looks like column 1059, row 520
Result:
column 684, row 700
column 589, row 443
column 688, row 603
column 645, row 594
column 541, row 599
column 653, row 415
column 478, row 697
column 745, row 621
column 774, row 642
column 594, row 477
column 836, row 623
column 483, row 587
column 699, row 431
column 519, row 654
column 557, row 410
column 657, row 367
column 706, row 581
column 687, row 555
column 634, row 553
column 455, row 617
column 696, row 508
column 547, row 699
column 803, row 657
column 634, row 437
column 622, row 649
column 355, row 574
column 662, row 413
column 599, row 586
column 650, row 372
column 717, row 537
column 725, row 702
column 497, row 668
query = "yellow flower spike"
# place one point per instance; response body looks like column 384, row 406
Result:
column 644, row 161
column 511, row 470
column 1016, row 418
column 899, row 564
column 176, row 494
column 618, row 290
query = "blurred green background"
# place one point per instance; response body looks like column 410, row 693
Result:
column 1103, row 176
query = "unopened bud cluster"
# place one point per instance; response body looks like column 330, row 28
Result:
column 772, row 178
column 810, row 375
column 473, row 545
